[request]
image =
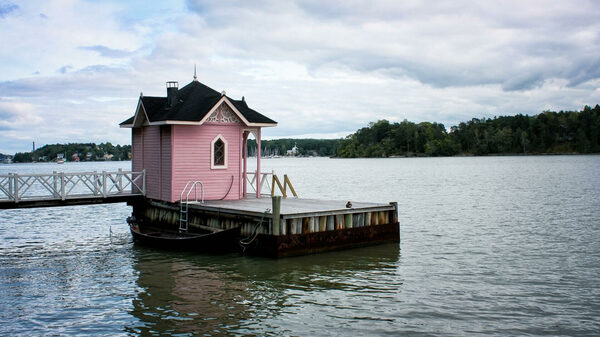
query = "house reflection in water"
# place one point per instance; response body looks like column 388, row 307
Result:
column 191, row 294
column 178, row 295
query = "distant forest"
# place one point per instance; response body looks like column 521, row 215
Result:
column 75, row 152
column 547, row 132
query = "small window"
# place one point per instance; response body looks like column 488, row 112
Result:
column 218, row 153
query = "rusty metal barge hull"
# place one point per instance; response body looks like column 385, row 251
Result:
column 319, row 242
column 296, row 227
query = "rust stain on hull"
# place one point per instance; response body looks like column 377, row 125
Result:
column 310, row 243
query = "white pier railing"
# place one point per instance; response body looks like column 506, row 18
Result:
column 265, row 181
column 70, row 185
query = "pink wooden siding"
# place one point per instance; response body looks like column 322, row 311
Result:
column 151, row 150
column 136, row 151
column 165, row 162
column 192, row 158
column 151, row 160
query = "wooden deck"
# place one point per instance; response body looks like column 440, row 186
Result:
column 290, row 207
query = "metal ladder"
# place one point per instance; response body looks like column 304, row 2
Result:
column 183, row 205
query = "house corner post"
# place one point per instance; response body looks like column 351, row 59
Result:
column 258, row 145
column 245, row 162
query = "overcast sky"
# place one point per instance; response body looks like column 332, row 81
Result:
column 71, row 70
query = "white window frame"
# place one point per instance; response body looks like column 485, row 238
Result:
column 213, row 166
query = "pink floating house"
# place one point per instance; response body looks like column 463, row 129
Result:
column 194, row 134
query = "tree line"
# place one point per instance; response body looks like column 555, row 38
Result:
column 304, row 147
column 75, row 152
column 547, row 132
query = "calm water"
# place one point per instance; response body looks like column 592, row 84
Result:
column 490, row 246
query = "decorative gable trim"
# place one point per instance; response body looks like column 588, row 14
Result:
column 225, row 100
column 223, row 114
column 213, row 118
column 228, row 116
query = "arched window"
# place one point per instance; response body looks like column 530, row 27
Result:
column 218, row 151
column 219, row 157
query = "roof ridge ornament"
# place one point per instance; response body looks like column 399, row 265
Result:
column 223, row 93
column 195, row 77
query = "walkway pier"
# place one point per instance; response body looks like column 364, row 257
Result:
column 70, row 188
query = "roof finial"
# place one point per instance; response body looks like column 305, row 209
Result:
column 195, row 77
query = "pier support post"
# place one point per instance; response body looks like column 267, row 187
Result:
column 96, row 184
column 104, row 184
column 120, row 174
column 276, row 207
column 347, row 220
column 55, row 185
column 11, row 187
column 394, row 216
column 144, row 182
column 16, row 186
column 63, row 193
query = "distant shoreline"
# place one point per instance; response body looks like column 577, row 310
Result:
column 391, row 157
column 480, row 155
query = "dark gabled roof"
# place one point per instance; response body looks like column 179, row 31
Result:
column 154, row 106
column 194, row 101
column 128, row 121
column 251, row 115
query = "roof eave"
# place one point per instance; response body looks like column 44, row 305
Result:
column 176, row 122
column 263, row 125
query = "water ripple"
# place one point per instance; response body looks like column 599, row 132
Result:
column 490, row 246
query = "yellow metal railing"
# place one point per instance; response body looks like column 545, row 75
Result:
column 251, row 178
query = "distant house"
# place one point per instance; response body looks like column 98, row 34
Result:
column 7, row 159
column 107, row 156
column 194, row 133
column 293, row 151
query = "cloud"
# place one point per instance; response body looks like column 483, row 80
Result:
column 7, row 8
column 107, row 52
column 316, row 67
column 64, row 69
column 514, row 44
column 46, row 44
column 14, row 114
